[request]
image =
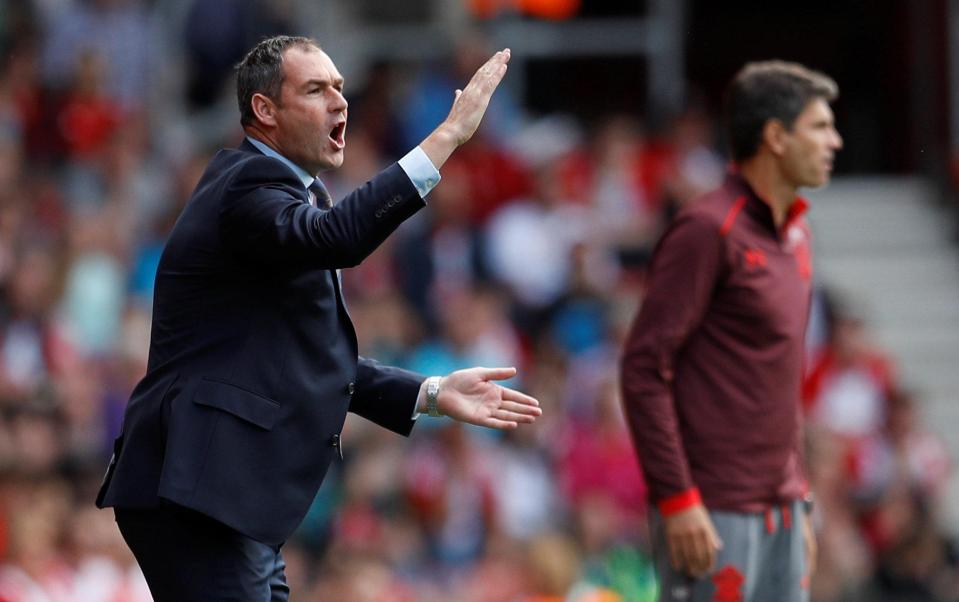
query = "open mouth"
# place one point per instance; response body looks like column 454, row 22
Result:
column 338, row 135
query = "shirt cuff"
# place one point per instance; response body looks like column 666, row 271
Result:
column 421, row 171
column 679, row 502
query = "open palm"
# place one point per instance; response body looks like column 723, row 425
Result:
column 470, row 396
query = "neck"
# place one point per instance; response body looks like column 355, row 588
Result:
column 260, row 135
column 257, row 133
column 763, row 175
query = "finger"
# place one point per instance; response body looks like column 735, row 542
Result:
column 496, row 77
column 688, row 548
column 514, row 417
column 675, row 553
column 490, row 74
column 484, row 71
column 707, row 552
column 708, row 544
column 714, row 540
column 456, row 95
column 514, row 395
column 495, row 423
column 499, row 58
column 520, row 408
column 693, row 552
column 497, row 373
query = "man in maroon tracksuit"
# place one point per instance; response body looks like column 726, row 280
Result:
column 711, row 370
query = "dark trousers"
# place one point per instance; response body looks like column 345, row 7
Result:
column 189, row 557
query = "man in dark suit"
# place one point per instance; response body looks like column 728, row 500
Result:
column 253, row 358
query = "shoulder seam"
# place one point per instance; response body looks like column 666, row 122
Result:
column 731, row 216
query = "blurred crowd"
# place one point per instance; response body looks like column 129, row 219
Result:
column 531, row 253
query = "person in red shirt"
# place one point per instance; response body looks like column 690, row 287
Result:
column 712, row 367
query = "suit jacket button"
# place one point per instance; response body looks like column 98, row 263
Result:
column 350, row 388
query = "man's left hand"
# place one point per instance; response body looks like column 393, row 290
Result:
column 470, row 396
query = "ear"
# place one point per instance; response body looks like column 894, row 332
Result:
column 264, row 109
column 774, row 136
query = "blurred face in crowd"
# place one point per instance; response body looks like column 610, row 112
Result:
column 309, row 117
column 34, row 281
column 809, row 147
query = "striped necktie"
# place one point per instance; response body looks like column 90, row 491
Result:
column 319, row 195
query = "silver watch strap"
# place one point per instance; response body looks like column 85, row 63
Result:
column 432, row 391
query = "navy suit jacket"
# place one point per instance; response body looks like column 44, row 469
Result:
column 253, row 359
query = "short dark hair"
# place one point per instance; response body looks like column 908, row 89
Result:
column 770, row 90
column 261, row 71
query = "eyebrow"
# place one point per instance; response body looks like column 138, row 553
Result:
column 338, row 82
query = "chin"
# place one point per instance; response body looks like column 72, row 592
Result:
column 331, row 162
column 818, row 184
column 816, row 181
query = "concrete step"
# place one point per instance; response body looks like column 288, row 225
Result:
column 867, row 214
column 903, row 269
column 868, row 223
column 874, row 189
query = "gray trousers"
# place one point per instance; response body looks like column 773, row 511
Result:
column 763, row 559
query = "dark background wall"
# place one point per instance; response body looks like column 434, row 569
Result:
column 888, row 56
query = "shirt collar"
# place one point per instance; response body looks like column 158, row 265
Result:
column 301, row 173
column 761, row 207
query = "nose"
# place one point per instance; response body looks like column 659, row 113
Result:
column 837, row 140
column 339, row 101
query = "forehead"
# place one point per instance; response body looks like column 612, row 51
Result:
column 302, row 64
column 815, row 110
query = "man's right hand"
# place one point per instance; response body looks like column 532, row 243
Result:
column 469, row 106
column 692, row 541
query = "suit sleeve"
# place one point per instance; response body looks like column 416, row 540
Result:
column 265, row 218
column 682, row 276
column 386, row 395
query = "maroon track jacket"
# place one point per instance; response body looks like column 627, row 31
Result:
column 712, row 367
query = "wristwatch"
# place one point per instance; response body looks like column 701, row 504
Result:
column 432, row 390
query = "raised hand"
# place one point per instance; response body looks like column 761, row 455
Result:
column 469, row 106
column 470, row 396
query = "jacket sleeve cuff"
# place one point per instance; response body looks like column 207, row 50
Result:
column 679, row 502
